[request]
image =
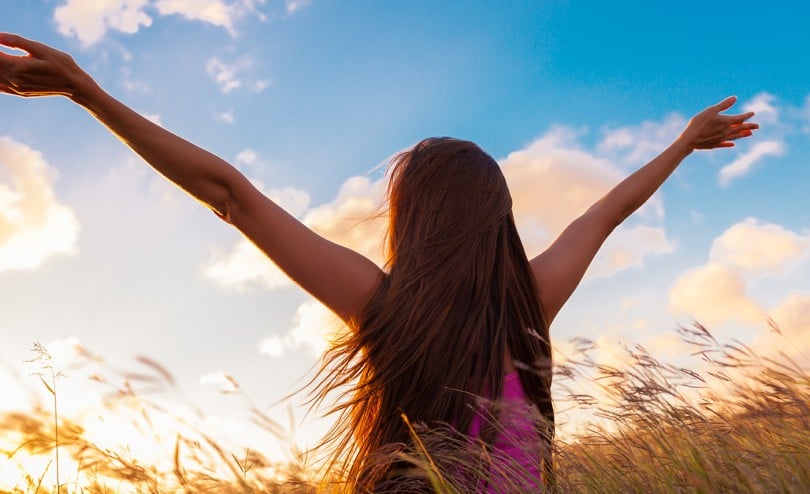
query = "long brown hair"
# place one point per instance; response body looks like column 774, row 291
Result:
column 458, row 295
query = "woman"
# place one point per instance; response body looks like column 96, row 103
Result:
column 459, row 311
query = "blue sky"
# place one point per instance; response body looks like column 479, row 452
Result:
column 308, row 98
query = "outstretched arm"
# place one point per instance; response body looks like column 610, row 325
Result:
column 340, row 278
column 560, row 268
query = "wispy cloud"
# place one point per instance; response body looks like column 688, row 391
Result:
column 630, row 247
column 743, row 165
column 226, row 75
column 636, row 144
column 131, row 84
column 34, row 225
column 312, row 328
column 214, row 12
column 221, row 380
column 231, row 75
column 227, row 117
column 293, row 6
column 763, row 105
column 90, row 20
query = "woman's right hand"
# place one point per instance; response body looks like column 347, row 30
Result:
column 43, row 71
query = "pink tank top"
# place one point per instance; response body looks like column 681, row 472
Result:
column 517, row 441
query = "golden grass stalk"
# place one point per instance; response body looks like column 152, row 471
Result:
column 721, row 420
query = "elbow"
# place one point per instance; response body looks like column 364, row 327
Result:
column 223, row 204
column 223, row 212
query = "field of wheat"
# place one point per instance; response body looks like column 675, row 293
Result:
column 724, row 419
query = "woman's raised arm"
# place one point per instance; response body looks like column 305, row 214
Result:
column 339, row 277
column 560, row 268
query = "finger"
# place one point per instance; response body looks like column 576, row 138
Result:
column 715, row 145
column 6, row 60
column 725, row 104
column 744, row 126
column 16, row 41
column 7, row 87
column 739, row 118
column 722, row 144
column 739, row 135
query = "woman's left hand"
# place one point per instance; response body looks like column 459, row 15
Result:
column 709, row 129
column 44, row 71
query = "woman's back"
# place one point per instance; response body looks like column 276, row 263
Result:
column 458, row 302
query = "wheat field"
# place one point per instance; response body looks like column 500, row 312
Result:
column 725, row 420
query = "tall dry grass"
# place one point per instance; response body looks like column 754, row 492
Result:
column 724, row 419
column 732, row 421
column 194, row 459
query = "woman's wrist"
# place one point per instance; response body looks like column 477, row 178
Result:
column 83, row 90
column 683, row 146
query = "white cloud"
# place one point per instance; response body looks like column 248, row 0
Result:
column 742, row 165
column 313, row 327
column 227, row 117
column 762, row 105
column 272, row 345
column 229, row 74
column 293, row 6
column 214, row 12
column 294, row 201
column 352, row 219
column 260, row 85
column 246, row 157
column 792, row 317
column 554, row 180
column 628, row 247
column 89, row 20
column 637, row 144
column 34, row 225
column 757, row 248
column 667, row 344
column 221, row 380
column 225, row 75
column 714, row 294
column 129, row 83
column 245, row 267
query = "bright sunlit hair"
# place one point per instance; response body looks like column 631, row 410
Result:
column 459, row 294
